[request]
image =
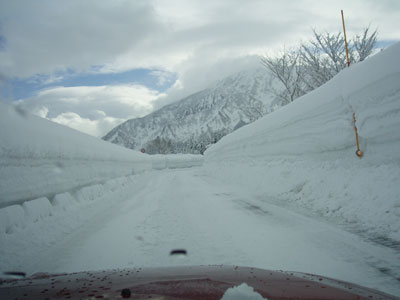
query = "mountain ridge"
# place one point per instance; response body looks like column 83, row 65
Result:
column 192, row 123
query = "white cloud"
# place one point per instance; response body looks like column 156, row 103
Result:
column 42, row 112
column 94, row 110
column 195, row 77
column 163, row 77
column 97, row 127
column 46, row 36
column 200, row 41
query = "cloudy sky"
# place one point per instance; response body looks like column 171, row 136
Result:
column 91, row 64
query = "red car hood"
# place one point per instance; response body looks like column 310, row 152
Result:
column 200, row 282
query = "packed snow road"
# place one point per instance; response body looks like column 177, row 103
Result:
column 216, row 224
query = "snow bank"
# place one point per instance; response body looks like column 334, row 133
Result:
column 39, row 158
column 16, row 217
column 303, row 155
column 29, row 229
column 62, row 202
column 10, row 217
column 37, row 209
column 242, row 292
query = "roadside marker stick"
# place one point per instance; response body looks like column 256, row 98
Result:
column 359, row 153
column 345, row 40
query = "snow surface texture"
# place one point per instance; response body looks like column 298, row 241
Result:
column 139, row 219
column 242, row 292
column 29, row 229
column 40, row 158
column 252, row 203
column 303, row 155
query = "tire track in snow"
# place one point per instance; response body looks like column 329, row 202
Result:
column 216, row 224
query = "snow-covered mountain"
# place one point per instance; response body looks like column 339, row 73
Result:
column 289, row 185
column 190, row 124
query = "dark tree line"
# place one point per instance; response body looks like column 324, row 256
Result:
column 193, row 145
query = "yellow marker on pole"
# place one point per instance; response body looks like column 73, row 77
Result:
column 345, row 40
column 359, row 153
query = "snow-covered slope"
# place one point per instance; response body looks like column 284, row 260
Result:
column 303, row 155
column 201, row 118
column 41, row 158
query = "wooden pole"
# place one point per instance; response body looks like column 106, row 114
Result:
column 359, row 153
column 345, row 40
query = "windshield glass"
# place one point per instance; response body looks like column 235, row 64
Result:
column 262, row 134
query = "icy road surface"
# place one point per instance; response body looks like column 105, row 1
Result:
column 216, row 224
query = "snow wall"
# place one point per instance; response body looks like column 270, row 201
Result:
column 39, row 158
column 302, row 156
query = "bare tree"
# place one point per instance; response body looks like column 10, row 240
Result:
column 365, row 44
column 316, row 62
column 286, row 69
column 316, row 69
column 325, row 56
column 322, row 58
